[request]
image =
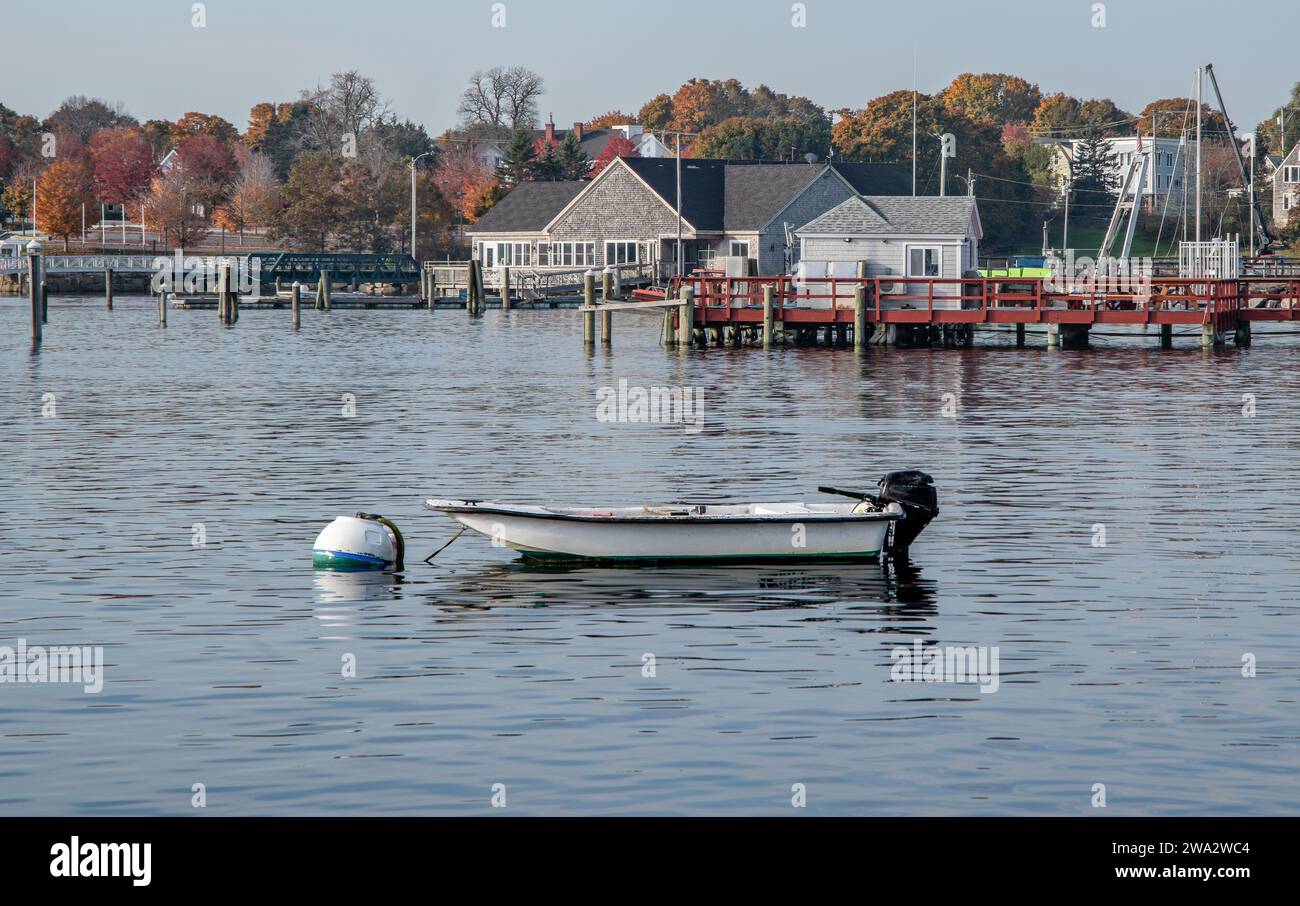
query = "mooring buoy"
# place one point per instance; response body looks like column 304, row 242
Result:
column 360, row 542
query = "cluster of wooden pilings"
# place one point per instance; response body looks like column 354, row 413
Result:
column 591, row 317
column 475, row 294
column 680, row 327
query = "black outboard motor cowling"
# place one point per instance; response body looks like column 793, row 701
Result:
column 914, row 491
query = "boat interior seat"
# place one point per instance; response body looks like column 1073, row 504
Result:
column 781, row 509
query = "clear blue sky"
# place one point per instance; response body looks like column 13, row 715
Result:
column 598, row 55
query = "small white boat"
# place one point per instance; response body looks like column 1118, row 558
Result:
column 885, row 522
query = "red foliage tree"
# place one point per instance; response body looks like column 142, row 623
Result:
column 207, row 157
column 123, row 165
column 618, row 146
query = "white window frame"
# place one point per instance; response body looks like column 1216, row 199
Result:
column 1291, row 173
column 573, row 254
column 923, row 247
column 731, row 248
column 627, row 244
column 705, row 255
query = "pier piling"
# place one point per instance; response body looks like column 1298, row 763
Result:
column 606, row 317
column 162, row 307
column 767, row 317
column 325, row 289
column 686, row 316
column 1166, row 336
column 45, row 301
column 860, row 317
column 1241, row 336
column 108, row 288
column 295, row 300
column 589, row 302
column 1020, row 336
column 505, row 289
column 33, row 284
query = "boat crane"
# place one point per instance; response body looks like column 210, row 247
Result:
column 1268, row 239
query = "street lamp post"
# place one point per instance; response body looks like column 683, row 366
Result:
column 414, row 161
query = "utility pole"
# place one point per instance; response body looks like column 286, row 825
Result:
column 913, row 120
column 679, row 205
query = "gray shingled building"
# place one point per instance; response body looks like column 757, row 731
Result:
column 735, row 214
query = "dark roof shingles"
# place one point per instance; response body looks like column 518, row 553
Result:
column 528, row 208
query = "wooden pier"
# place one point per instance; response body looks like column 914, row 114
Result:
column 921, row 310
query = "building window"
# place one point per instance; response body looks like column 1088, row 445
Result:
column 1291, row 174
column 924, row 261
column 706, row 256
column 621, row 252
column 543, row 254
column 739, row 248
column 573, row 254
column 514, row 253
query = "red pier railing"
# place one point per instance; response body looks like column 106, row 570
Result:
column 956, row 301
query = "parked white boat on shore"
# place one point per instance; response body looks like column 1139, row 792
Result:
column 883, row 522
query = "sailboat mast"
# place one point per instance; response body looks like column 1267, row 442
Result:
column 1199, row 73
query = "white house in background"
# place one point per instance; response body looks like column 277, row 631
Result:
column 592, row 141
column 647, row 143
column 1165, row 173
column 1286, row 187
column 896, row 236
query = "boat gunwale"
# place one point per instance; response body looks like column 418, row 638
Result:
column 468, row 507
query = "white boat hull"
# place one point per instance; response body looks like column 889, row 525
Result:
column 539, row 534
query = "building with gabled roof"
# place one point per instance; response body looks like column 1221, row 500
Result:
column 735, row 215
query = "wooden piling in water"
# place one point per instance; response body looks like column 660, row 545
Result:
column 606, row 317
column 325, row 278
column 1020, row 336
column 505, row 289
column 589, row 302
column 767, row 316
column 860, row 317
column 686, row 316
column 295, row 301
column 45, row 301
column 668, row 338
column 162, row 307
column 108, row 288
column 33, row 288
column 1166, row 336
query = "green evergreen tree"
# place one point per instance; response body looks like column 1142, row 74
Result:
column 1095, row 181
column 548, row 167
column 574, row 162
column 517, row 164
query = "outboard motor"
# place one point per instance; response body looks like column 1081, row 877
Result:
column 914, row 491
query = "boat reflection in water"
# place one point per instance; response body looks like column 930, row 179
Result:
column 894, row 587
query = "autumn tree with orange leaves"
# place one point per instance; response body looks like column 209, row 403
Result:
column 65, row 194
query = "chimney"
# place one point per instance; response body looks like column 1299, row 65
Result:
column 550, row 130
column 577, row 131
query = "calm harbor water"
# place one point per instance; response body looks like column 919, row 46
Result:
column 1120, row 664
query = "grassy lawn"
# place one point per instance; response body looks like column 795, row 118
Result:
column 1085, row 239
